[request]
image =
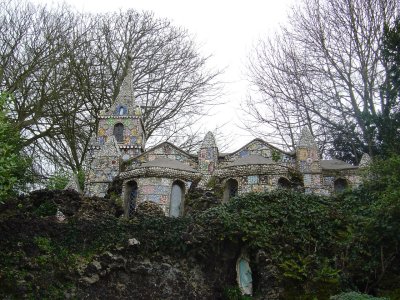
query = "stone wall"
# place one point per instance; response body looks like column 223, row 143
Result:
column 133, row 134
column 154, row 189
column 262, row 148
column 166, row 150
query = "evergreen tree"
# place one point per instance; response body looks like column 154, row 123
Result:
column 388, row 121
column 13, row 164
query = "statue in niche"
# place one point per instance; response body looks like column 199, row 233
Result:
column 244, row 277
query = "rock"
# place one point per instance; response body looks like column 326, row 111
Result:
column 150, row 209
column 90, row 280
column 133, row 242
column 60, row 216
column 96, row 264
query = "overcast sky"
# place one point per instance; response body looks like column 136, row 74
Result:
column 225, row 29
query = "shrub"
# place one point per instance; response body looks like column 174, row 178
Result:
column 354, row 296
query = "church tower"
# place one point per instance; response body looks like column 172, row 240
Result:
column 308, row 162
column 123, row 121
column 120, row 136
column 208, row 158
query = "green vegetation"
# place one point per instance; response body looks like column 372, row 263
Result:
column 320, row 246
column 355, row 296
column 13, row 164
column 58, row 180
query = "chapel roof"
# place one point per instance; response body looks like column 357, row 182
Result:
column 164, row 162
column 335, row 164
column 253, row 159
column 169, row 144
column 254, row 141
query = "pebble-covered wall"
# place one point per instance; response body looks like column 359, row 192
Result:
column 102, row 171
column 166, row 150
column 259, row 147
column 154, row 189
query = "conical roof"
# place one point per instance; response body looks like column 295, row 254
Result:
column 365, row 161
column 125, row 96
column 209, row 141
column 306, row 139
column 254, row 159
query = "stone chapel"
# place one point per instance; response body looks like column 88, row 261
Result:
column 164, row 173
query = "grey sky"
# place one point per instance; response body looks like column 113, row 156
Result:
column 224, row 29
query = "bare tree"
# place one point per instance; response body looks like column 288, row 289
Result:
column 64, row 67
column 323, row 70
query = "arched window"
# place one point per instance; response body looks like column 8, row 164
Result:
column 177, row 196
column 121, row 110
column 340, row 185
column 284, row 183
column 230, row 190
column 119, row 132
column 131, row 196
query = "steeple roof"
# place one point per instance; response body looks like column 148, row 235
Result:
column 365, row 161
column 306, row 139
column 209, row 141
column 125, row 97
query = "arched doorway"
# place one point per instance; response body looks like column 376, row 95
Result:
column 131, row 197
column 119, row 132
column 230, row 190
column 284, row 183
column 340, row 185
column 177, row 198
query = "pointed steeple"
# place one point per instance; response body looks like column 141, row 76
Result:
column 365, row 161
column 306, row 139
column 208, row 158
column 125, row 103
column 125, row 95
column 308, row 161
column 209, row 141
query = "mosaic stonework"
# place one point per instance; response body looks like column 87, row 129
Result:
column 259, row 147
column 154, row 174
column 166, row 150
column 207, row 159
column 154, row 189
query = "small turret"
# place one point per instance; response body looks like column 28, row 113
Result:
column 307, row 153
column 365, row 161
column 208, row 157
column 308, row 161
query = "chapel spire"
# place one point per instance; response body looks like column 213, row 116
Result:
column 125, row 103
column 125, row 95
